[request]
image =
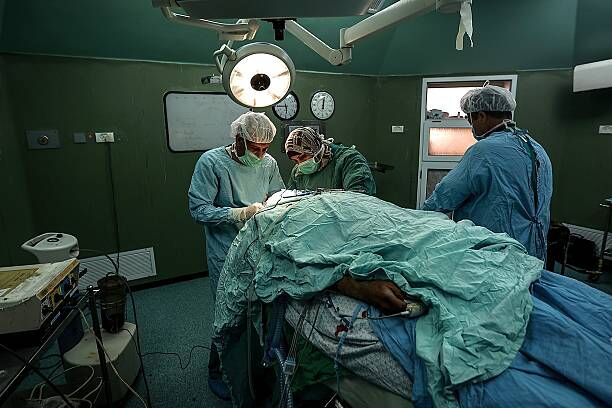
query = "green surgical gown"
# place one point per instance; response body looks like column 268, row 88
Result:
column 347, row 170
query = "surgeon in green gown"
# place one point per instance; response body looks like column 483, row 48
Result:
column 321, row 164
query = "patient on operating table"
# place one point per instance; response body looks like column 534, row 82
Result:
column 484, row 331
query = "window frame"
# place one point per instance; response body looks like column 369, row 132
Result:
column 426, row 161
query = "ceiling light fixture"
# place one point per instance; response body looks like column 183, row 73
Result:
column 257, row 74
column 261, row 74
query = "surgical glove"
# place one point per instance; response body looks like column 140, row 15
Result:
column 244, row 213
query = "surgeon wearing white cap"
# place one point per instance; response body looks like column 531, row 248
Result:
column 227, row 188
column 504, row 181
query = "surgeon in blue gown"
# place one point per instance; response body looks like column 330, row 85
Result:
column 504, row 181
column 228, row 187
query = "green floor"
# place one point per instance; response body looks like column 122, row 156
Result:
column 174, row 318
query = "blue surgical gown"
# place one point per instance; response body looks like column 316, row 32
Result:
column 492, row 187
column 218, row 184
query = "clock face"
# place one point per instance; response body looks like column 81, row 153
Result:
column 322, row 105
column 288, row 108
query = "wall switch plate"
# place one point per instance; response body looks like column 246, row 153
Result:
column 43, row 139
column 105, row 137
column 397, row 129
column 79, row 137
column 605, row 130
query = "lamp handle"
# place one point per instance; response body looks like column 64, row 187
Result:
column 220, row 53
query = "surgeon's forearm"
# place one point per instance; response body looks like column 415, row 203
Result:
column 209, row 214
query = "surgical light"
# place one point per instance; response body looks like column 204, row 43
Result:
column 261, row 74
column 256, row 75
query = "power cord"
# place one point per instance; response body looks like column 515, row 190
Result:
column 40, row 374
column 183, row 366
column 110, row 362
column 114, row 197
column 42, row 384
column 129, row 289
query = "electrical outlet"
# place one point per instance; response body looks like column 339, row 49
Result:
column 605, row 130
column 397, row 129
column 105, row 137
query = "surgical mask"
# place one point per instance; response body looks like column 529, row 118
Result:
column 505, row 124
column 308, row 166
column 249, row 158
column 311, row 165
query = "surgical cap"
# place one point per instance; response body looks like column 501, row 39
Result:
column 304, row 140
column 254, row 127
column 307, row 140
column 489, row 98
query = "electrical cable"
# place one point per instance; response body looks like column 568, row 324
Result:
column 97, row 251
column 42, row 384
column 110, row 362
column 129, row 289
column 249, row 335
column 168, row 353
column 40, row 374
column 291, row 354
column 248, row 291
column 139, row 348
column 98, row 388
column 312, row 328
column 114, row 196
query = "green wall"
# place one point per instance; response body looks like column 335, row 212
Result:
column 16, row 222
column 509, row 35
column 567, row 125
column 69, row 188
column 593, row 31
column 353, row 122
column 398, row 102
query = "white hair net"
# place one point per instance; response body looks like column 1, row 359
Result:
column 254, row 127
column 489, row 98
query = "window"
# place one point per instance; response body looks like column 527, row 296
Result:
column 445, row 140
column 445, row 133
column 448, row 141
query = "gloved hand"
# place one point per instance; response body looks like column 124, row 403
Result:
column 244, row 213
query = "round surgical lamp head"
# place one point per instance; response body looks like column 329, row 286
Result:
column 256, row 75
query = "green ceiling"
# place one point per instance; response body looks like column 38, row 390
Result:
column 509, row 35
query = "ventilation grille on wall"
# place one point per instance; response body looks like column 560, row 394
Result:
column 591, row 234
column 136, row 264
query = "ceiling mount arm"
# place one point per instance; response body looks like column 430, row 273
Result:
column 385, row 18
column 332, row 55
column 239, row 31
